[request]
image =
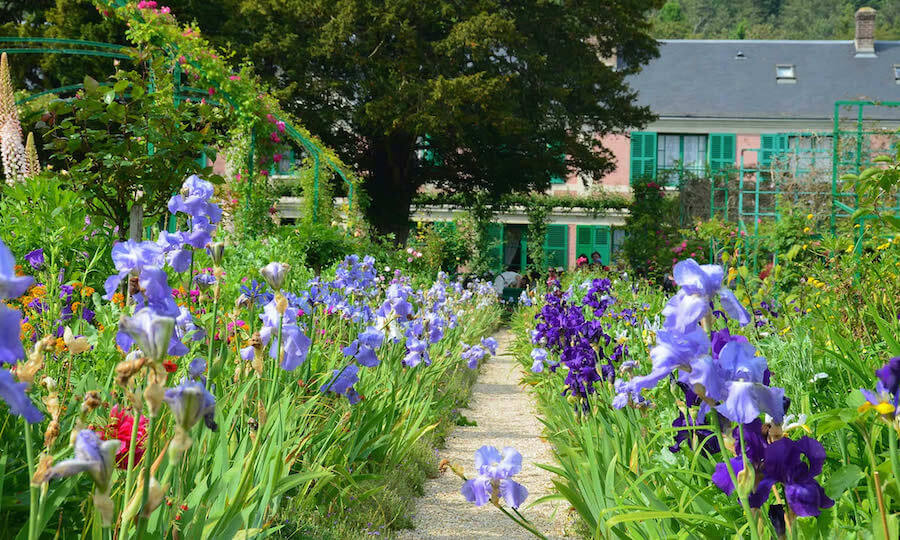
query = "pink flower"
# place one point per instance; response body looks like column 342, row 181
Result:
column 300, row 313
column 264, row 172
column 276, row 158
column 274, row 136
column 211, row 91
column 165, row 10
column 280, row 125
column 235, row 77
column 270, row 118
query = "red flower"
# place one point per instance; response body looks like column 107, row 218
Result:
column 170, row 367
column 119, row 427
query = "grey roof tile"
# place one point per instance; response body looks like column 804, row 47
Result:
column 703, row 78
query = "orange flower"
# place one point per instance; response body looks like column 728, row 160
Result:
column 60, row 345
column 39, row 291
column 87, row 292
column 18, row 269
column 27, row 331
column 76, row 306
column 118, row 299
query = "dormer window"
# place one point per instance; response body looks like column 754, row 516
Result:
column 785, row 73
column 897, row 73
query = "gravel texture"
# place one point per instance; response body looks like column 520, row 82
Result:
column 505, row 416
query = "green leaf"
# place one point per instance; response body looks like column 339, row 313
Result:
column 841, row 480
column 90, row 84
column 109, row 96
column 120, row 87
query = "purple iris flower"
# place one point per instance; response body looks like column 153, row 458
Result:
column 495, row 472
column 699, row 283
column 792, row 463
column 342, row 382
column 172, row 244
column 472, row 355
column 364, row 346
column 539, row 356
column 197, row 368
column 11, row 285
column 417, row 352
column 296, row 347
column 35, row 258
column 11, row 350
column 275, row 273
column 194, row 200
column 93, row 456
column 13, row 394
column 673, row 349
column 256, row 294
column 190, row 401
column 131, row 257
column 152, row 332
column 889, row 374
column 490, row 344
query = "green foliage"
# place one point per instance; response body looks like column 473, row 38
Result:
column 479, row 214
column 596, row 204
column 442, row 246
column 126, row 144
column 878, row 189
column 536, row 234
column 318, row 197
column 43, row 213
column 770, row 19
column 649, row 230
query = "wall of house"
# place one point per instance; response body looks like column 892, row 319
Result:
column 620, row 146
column 746, row 141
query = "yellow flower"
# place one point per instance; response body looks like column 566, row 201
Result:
column 806, row 229
column 87, row 292
column 882, row 408
column 809, row 216
column 39, row 291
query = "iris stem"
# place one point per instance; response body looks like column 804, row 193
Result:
column 745, row 505
column 33, row 491
column 145, row 494
column 895, row 460
column 129, row 475
column 523, row 524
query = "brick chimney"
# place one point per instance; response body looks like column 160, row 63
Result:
column 865, row 32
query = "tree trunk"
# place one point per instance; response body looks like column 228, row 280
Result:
column 390, row 186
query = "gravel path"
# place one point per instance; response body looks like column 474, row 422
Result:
column 505, row 416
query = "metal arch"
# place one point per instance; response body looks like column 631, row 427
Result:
column 311, row 147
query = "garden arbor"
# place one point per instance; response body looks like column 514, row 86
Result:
column 199, row 74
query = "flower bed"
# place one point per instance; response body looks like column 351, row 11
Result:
column 269, row 400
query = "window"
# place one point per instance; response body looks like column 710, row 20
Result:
column 681, row 153
column 810, row 156
column 897, row 73
column 785, row 73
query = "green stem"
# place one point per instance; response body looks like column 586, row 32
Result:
column 895, row 459
column 523, row 524
column 33, row 491
column 212, row 332
column 745, row 505
column 145, row 494
column 129, row 475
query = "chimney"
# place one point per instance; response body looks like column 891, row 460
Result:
column 865, row 32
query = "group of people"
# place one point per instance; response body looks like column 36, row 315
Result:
column 595, row 260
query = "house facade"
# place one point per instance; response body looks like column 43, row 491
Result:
column 724, row 105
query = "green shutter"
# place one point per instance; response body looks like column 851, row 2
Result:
column 603, row 242
column 722, row 151
column 201, row 159
column 556, row 246
column 495, row 246
column 431, row 157
column 771, row 144
column 584, row 240
column 643, row 155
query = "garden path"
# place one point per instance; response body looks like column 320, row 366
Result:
column 505, row 416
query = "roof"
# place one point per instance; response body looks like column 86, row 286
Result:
column 705, row 78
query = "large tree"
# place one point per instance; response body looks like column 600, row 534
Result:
column 488, row 94
column 461, row 94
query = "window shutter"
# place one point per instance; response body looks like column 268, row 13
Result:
column 556, row 246
column 495, row 246
column 643, row 155
column 584, row 240
column 771, row 144
column 602, row 243
column 722, row 151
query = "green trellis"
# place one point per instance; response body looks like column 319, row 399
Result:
column 74, row 47
column 759, row 194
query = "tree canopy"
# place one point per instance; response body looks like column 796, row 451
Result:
column 478, row 95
